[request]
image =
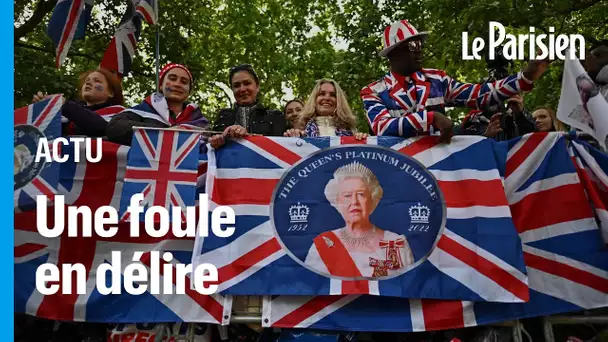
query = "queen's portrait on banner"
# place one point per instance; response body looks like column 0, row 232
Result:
column 359, row 249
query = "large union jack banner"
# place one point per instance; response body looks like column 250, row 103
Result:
column 475, row 255
column 567, row 265
column 95, row 185
column 32, row 178
column 565, row 259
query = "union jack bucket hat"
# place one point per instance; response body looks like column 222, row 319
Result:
column 397, row 33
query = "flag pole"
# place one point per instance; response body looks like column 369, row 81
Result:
column 157, row 54
column 187, row 130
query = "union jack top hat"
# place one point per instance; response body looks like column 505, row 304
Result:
column 397, row 33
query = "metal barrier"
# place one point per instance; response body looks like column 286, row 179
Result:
column 516, row 326
column 550, row 321
column 246, row 319
column 248, row 311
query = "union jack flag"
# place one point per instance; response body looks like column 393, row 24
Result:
column 32, row 178
column 591, row 163
column 119, row 54
column 95, row 185
column 478, row 256
column 567, row 265
column 68, row 22
column 163, row 166
column 121, row 51
column 149, row 10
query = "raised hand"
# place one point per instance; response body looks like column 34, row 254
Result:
column 493, row 127
column 39, row 96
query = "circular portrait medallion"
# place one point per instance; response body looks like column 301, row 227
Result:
column 358, row 212
column 26, row 168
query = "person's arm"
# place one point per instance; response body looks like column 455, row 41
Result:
column 408, row 125
column 484, row 95
column 382, row 123
column 87, row 121
column 120, row 127
column 492, row 93
column 524, row 122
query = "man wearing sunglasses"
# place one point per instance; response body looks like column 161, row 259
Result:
column 411, row 101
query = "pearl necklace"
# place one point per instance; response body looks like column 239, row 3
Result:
column 357, row 241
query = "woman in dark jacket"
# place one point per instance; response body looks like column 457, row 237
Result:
column 248, row 115
column 101, row 98
column 160, row 110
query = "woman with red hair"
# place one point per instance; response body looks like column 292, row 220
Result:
column 100, row 95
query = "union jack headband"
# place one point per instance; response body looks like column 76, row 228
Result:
column 170, row 66
column 397, row 33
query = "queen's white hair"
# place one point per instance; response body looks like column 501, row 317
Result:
column 354, row 170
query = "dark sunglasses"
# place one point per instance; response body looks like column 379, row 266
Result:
column 415, row 45
column 241, row 67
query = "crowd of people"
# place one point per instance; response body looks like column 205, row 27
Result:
column 408, row 101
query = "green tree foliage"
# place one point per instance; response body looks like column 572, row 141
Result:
column 291, row 43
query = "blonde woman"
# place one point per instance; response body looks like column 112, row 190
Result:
column 326, row 113
column 546, row 120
